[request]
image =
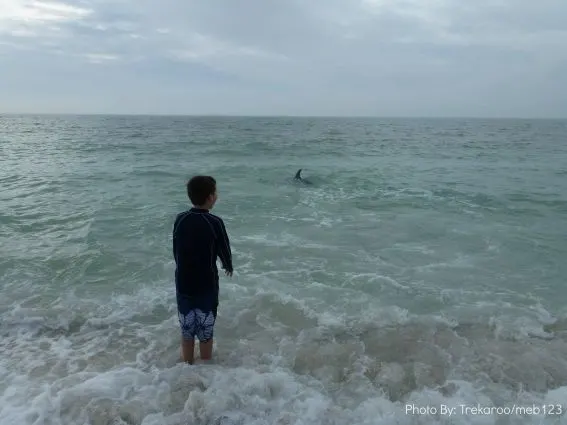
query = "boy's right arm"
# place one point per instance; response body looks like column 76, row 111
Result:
column 225, row 253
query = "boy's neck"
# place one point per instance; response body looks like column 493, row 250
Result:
column 202, row 207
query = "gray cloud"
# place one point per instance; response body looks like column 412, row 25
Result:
column 332, row 57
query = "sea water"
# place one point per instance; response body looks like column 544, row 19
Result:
column 420, row 278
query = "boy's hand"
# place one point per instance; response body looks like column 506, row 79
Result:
column 228, row 273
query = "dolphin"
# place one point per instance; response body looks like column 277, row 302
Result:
column 299, row 178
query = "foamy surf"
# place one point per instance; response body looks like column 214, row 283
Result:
column 308, row 366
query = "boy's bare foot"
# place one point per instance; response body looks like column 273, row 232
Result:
column 206, row 349
column 187, row 350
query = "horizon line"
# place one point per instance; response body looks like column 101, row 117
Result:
column 165, row 115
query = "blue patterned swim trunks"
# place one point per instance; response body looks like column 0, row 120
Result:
column 197, row 323
column 196, row 319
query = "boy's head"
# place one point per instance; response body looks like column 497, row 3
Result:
column 202, row 191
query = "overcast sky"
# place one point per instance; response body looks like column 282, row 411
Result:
column 501, row 58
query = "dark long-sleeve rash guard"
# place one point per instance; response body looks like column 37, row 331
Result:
column 199, row 238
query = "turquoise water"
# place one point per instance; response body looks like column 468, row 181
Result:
column 424, row 266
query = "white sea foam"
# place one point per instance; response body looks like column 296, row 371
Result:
column 327, row 368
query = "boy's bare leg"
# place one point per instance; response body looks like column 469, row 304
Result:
column 206, row 349
column 187, row 350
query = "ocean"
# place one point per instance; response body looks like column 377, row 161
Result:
column 420, row 278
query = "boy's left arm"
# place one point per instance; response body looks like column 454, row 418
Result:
column 174, row 238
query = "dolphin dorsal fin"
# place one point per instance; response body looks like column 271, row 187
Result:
column 298, row 174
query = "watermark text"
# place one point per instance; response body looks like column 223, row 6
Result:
column 463, row 409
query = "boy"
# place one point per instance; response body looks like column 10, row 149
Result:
column 198, row 238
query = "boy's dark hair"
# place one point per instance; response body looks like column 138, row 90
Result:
column 199, row 188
